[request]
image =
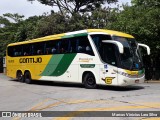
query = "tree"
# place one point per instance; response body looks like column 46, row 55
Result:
column 15, row 17
column 8, row 28
column 75, row 6
column 140, row 20
column 146, row 3
column 100, row 18
column 51, row 24
column 14, row 29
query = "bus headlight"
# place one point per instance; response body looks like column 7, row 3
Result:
column 122, row 73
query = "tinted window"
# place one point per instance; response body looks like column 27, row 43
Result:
column 98, row 38
column 62, row 46
column 52, row 47
column 108, row 54
column 38, row 48
column 10, row 51
column 72, row 45
column 15, row 50
column 83, row 45
column 27, row 49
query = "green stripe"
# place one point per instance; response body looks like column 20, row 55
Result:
column 52, row 65
column 87, row 65
column 141, row 72
column 75, row 35
column 58, row 64
column 64, row 64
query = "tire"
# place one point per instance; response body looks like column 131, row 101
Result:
column 89, row 81
column 27, row 77
column 20, row 76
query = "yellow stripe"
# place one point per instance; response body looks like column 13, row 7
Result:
column 34, row 108
column 131, row 72
column 51, row 37
column 111, row 32
column 49, row 106
column 39, row 104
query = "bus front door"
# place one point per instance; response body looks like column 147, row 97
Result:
column 109, row 56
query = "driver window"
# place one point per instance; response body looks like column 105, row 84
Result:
column 108, row 54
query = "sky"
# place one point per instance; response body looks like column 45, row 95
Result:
column 23, row 7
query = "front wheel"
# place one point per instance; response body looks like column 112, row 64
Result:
column 27, row 77
column 89, row 81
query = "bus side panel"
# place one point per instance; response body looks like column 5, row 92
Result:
column 72, row 73
column 61, row 67
column 34, row 64
column 12, row 66
column 88, row 63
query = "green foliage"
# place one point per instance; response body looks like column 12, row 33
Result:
column 15, row 17
column 7, row 29
column 14, row 29
column 146, row 3
column 52, row 24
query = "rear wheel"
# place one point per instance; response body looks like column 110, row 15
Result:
column 89, row 81
column 20, row 76
column 27, row 77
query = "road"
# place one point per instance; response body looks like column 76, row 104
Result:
column 50, row 96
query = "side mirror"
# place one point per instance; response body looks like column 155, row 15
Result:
column 146, row 47
column 119, row 45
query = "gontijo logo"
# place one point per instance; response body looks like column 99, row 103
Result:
column 30, row 60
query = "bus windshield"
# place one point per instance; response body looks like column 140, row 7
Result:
column 131, row 58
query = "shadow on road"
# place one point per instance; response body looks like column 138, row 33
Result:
column 120, row 88
column 75, row 85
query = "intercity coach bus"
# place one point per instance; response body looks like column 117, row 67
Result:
column 91, row 57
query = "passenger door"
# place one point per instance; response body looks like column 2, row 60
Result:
column 109, row 56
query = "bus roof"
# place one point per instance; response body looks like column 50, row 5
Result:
column 73, row 34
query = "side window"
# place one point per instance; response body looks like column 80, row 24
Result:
column 64, row 46
column 98, row 38
column 72, row 45
column 57, row 46
column 84, row 46
column 51, row 47
column 108, row 53
column 18, row 50
column 10, row 51
column 27, row 50
column 14, row 51
column 38, row 48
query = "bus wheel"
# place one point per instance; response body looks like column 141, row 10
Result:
column 89, row 81
column 27, row 77
column 20, row 76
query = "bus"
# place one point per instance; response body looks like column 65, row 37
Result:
column 91, row 57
